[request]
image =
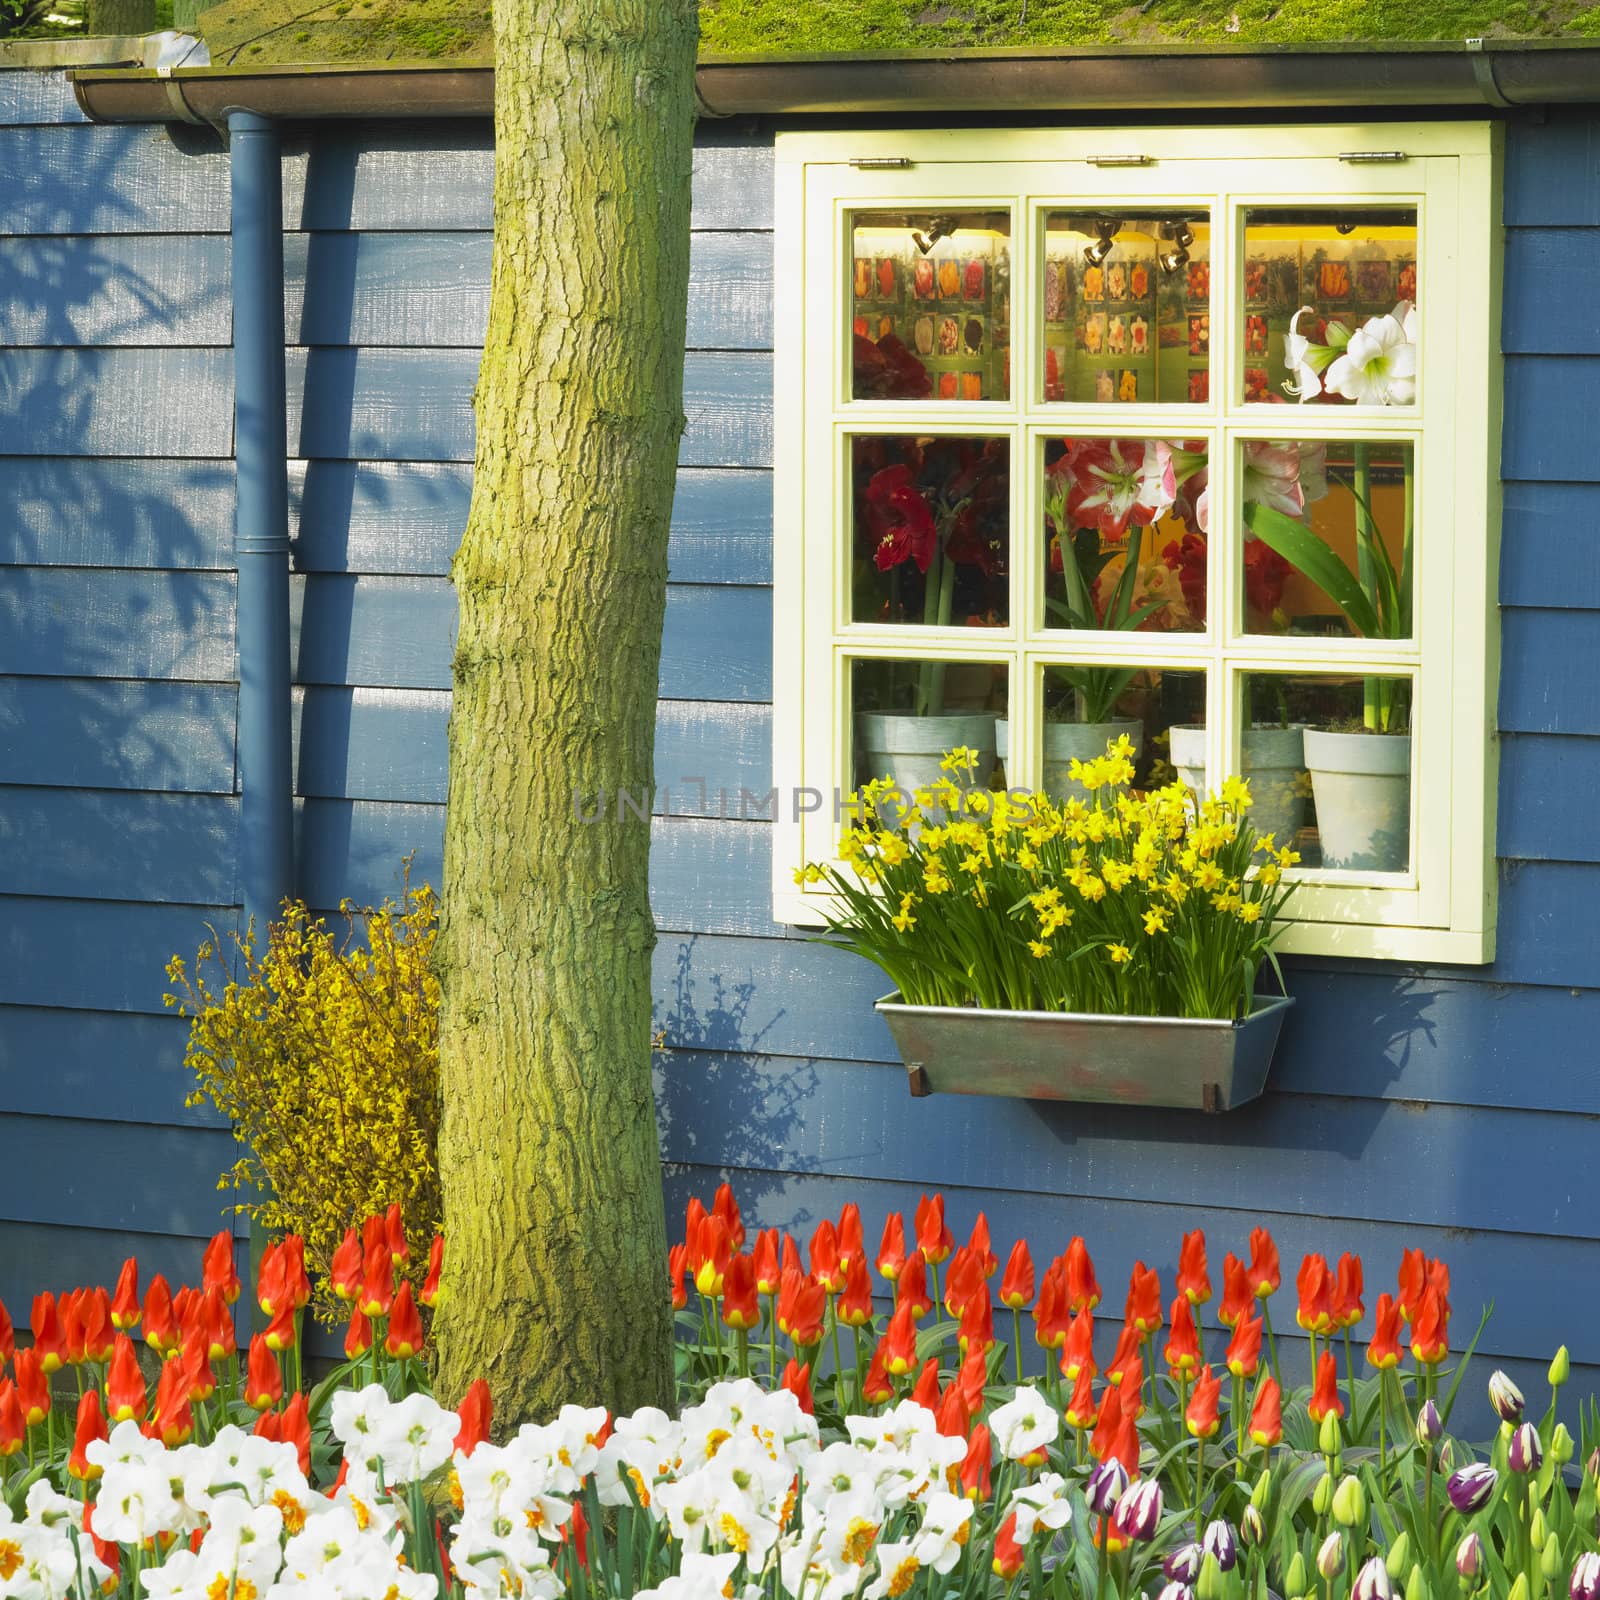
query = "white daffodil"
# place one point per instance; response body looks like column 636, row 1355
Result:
column 703, row 1577
column 689, row 1504
column 1379, row 364
column 1043, row 1504
column 414, row 1437
column 356, row 1416
column 840, row 1468
column 243, row 1545
column 898, row 1567
column 851, row 1523
column 1025, row 1426
column 946, row 1523
column 513, row 1562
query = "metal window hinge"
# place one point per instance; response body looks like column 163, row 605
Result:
column 880, row 163
column 1368, row 158
column 1121, row 161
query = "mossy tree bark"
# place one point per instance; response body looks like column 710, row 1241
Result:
column 104, row 17
column 556, row 1274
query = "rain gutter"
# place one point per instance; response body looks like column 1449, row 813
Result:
column 1465, row 73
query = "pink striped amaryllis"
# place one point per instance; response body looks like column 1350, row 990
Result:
column 1112, row 484
column 1285, row 475
column 900, row 519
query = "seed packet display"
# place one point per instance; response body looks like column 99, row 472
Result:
column 973, row 340
column 1128, row 386
column 1116, row 280
column 1057, row 289
column 1105, row 386
column 949, row 276
column 1117, row 335
column 1139, row 335
column 1200, row 333
column 922, row 335
column 949, row 336
column 1255, row 334
column 923, row 286
column 1094, row 333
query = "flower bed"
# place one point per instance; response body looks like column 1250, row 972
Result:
column 824, row 1448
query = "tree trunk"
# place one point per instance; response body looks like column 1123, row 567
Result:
column 120, row 16
column 556, row 1266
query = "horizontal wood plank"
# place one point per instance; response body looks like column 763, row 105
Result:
column 371, row 744
column 389, row 632
column 727, row 398
column 378, row 516
column 721, row 527
column 42, row 97
column 1552, row 306
column 117, row 403
column 79, row 732
column 436, row 177
column 730, row 291
column 1539, row 691
column 716, row 643
column 713, row 759
column 382, row 405
column 1552, row 176
column 1550, row 546
column 355, row 850
column 1547, row 788
column 38, row 1257
column 1549, row 404
column 710, row 876
column 101, row 1065
column 732, row 176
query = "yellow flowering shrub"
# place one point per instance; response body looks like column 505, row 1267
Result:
column 1138, row 904
column 323, row 1052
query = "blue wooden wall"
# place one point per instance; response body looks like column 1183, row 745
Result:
column 1449, row 1108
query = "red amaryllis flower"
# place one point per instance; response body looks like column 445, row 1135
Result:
column 1194, row 1277
column 218, row 1270
column 1315, row 1283
column 854, row 1308
column 1187, row 558
column 797, row 1380
column 1243, row 1357
column 49, row 1342
column 1201, row 1416
column 964, row 1282
column 900, row 1342
column 1083, row 1291
column 1077, row 1355
column 476, row 1412
column 825, row 1267
column 1082, row 1410
column 888, row 370
column 933, row 1237
column 430, row 1292
column 851, row 1245
column 1237, row 1295
column 925, row 1391
column 951, row 1417
column 1325, row 1399
column 1430, row 1328
column 974, row 1476
column 1266, row 1417
column 405, row 1325
column 1265, row 574
column 294, row 1427
column 90, row 1429
column 125, row 1306
column 1008, row 1554
column 899, row 520
column 1384, row 1351
column 912, row 1288
column 892, row 1249
column 1183, row 1339
column 802, row 1304
column 1112, row 484
column 876, row 1386
column 263, row 1383
column 125, row 1396
column 1017, row 1286
column 1348, row 1309
column 725, row 1206
column 1265, row 1273
column 1143, row 1309
column 358, row 1336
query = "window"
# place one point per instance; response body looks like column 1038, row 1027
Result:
column 1185, row 434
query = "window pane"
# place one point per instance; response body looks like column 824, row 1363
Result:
column 1086, row 706
column 930, row 530
column 1328, row 760
column 930, row 305
column 1327, row 534
column 1112, row 502
column 906, row 716
column 1127, row 307
column 1327, row 296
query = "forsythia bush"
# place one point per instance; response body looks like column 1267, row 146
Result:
column 324, row 1055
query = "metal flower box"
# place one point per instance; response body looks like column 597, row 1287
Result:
column 1197, row 1064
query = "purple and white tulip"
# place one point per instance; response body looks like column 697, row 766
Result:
column 1470, row 1488
column 1107, row 1485
column 1372, row 1582
column 1526, row 1453
column 1219, row 1541
column 1138, row 1512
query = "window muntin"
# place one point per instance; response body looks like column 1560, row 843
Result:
column 1438, row 903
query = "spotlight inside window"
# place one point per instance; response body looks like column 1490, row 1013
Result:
column 1179, row 236
column 1106, row 230
column 938, row 228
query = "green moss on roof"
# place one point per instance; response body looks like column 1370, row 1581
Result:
column 259, row 32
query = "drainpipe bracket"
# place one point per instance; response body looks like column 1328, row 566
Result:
column 1482, row 64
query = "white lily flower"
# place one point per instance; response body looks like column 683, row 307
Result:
column 1379, row 364
column 1025, row 1426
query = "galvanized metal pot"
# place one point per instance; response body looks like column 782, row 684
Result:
column 1198, row 1064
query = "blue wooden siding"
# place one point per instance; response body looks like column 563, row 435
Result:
column 1451, row 1108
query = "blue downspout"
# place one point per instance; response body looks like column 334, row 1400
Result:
column 261, row 521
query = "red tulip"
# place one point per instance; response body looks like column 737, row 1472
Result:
column 218, row 1270
column 1183, row 1342
column 1130, row 1391
column 1413, row 1279
column 125, row 1307
column 281, row 1333
column 270, row 1289
column 358, row 1336
column 1194, row 1278
column 1124, row 1355
column 91, row 1426
column 797, row 1380
column 912, row 1288
column 1325, row 1399
column 125, row 1396
column 348, row 1266
column 971, row 1378
column 765, row 1257
column 1125, row 1447
column 374, row 1234
column 900, row 1342
column 185, row 1307
column 1017, row 1283
column 964, row 1282
column 677, row 1260
column 708, row 1259
column 13, row 1427
column 1384, row 1351
column 1430, row 1328
column 892, row 1250
column 1265, row 1274
column 876, row 1386
column 974, row 1475
column 933, row 1237
column 1008, row 1554
column 263, row 1383
column 405, row 1325
column 33, row 1387
column 94, row 1310
column 982, row 1247
column 173, row 1419
column 740, row 1308
column 1315, row 1284
column 788, row 1257
column 8, row 1337
column 1348, row 1309
column 217, row 1321
column 294, row 1427
column 1237, row 1295
column 1243, row 1356
column 1050, row 1310
column 1201, row 1416
column 854, row 1308
column 725, row 1206
column 394, row 1230
column 476, row 1412
column 200, row 1381
column 976, row 1331
column 1266, row 1417
column 1077, row 1355
column 160, row 1318
column 852, row 1247
column 951, row 1417
column 1108, row 1424
column 925, row 1391
column 825, row 1266
column 1143, row 1310
column 1083, row 1291
column 802, row 1305
column 268, row 1426
column 1083, row 1411
column 69, row 1309
column 377, row 1283
column 430, row 1292
column 296, row 1280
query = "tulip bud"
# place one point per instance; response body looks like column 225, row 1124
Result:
column 1138, row 1512
column 1550, row 1559
column 1350, row 1503
column 1330, row 1558
column 1429, row 1426
column 1469, row 1558
column 1372, row 1582
column 1328, row 1435
column 1220, row 1542
column 1519, row 1590
column 1262, row 1491
column 1107, row 1484
column 1447, row 1456
column 1210, row 1586
column 1526, row 1453
column 1537, row 1527
column 1183, row 1564
column 1252, row 1529
column 1294, row 1580
column 1505, row 1397
column 1560, row 1368
column 1417, row 1585
column 1470, row 1488
column 1591, row 1467
column 1585, row 1584
column 1175, row 1591
column 1398, row 1560
column 1322, row 1495
column 1561, row 1445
